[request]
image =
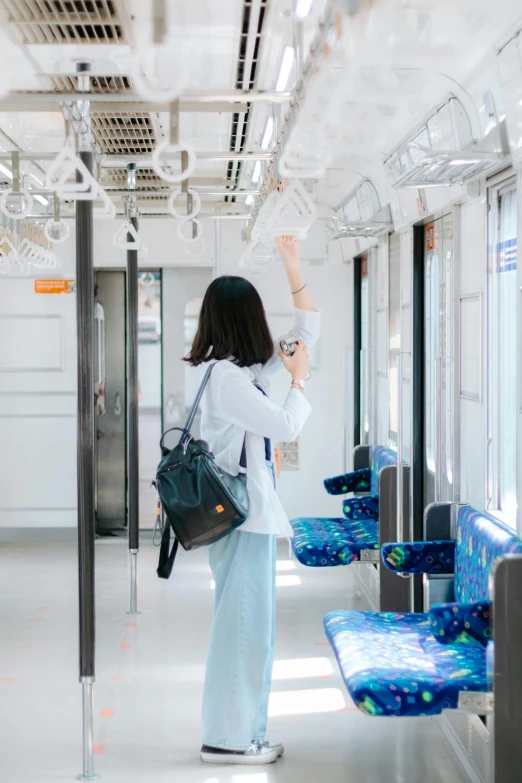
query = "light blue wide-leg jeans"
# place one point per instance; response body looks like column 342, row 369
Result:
column 239, row 664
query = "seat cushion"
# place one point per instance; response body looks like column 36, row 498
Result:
column 366, row 507
column 393, row 666
column 480, row 540
column 323, row 542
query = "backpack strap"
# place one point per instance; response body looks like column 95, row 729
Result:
column 166, row 560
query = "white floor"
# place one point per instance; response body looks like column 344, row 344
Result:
column 150, row 671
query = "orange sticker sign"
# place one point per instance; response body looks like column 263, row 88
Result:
column 430, row 237
column 54, row 286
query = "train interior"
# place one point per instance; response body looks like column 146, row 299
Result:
column 149, row 146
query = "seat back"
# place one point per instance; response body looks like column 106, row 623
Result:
column 381, row 457
column 479, row 541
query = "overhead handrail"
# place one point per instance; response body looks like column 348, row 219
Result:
column 66, row 165
column 293, row 213
column 196, row 204
column 196, row 248
column 197, row 230
column 56, row 230
column 108, row 210
column 166, row 147
column 121, row 241
column 144, row 69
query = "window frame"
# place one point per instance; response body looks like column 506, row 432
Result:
column 492, row 500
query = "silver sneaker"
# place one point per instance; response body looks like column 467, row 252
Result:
column 276, row 746
column 257, row 753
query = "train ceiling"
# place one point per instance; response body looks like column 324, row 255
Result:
column 226, row 47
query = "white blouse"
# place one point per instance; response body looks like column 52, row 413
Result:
column 232, row 406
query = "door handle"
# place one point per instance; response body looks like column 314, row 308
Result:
column 117, row 404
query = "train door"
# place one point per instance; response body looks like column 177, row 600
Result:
column 501, row 497
column 149, row 394
column 182, row 296
column 439, row 435
column 362, row 380
column 110, row 403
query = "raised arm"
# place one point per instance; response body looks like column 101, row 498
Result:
column 307, row 320
column 289, row 251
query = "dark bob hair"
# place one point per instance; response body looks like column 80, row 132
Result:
column 232, row 323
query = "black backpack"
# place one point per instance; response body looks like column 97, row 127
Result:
column 201, row 502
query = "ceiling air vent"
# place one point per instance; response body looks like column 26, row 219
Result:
column 67, row 21
column 146, row 180
column 360, row 215
column 106, row 85
column 124, row 133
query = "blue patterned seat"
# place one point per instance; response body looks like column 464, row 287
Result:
column 321, row 542
column 328, row 541
column 395, row 664
column 367, row 506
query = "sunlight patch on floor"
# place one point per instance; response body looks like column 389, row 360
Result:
column 285, row 565
column 288, row 580
column 306, row 702
column 295, row 668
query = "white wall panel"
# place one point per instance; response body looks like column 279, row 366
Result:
column 31, row 343
column 473, row 259
column 37, row 406
column 471, row 316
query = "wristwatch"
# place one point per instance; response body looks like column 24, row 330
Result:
column 299, row 383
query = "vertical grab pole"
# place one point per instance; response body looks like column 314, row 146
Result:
column 400, row 471
column 438, row 435
column 132, row 401
column 85, row 435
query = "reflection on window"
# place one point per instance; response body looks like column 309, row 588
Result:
column 365, row 364
column 432, row 353
column 502, row 326
column 394, row 332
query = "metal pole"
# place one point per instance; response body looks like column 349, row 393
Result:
column 132, row 403
column 85, row 434
column 400, row 473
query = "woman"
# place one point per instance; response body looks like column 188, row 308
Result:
column 237, row 414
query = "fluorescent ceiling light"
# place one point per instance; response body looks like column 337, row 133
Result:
column 249, row 201
column 287, row 62
column 5, row 171
column 37, row 180
column 302, row 8
column 41, row 199
column 267, row 135
column 256, row 174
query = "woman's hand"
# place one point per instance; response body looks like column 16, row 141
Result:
column 298, row 364
column 289, row 251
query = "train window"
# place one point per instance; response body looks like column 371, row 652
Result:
column 431, row 287
column 394, row 332
column 365, row 363
column 502, row 330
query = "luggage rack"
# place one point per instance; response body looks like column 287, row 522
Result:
column 447, row 167
column 360, row 215
column 341, row 228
